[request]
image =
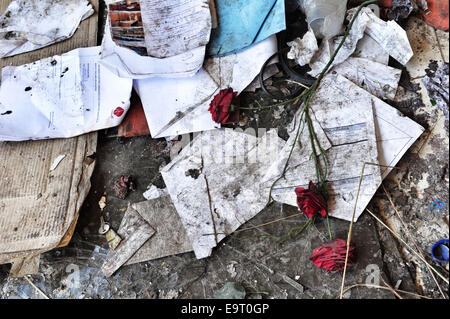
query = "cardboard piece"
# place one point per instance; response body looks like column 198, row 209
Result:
column 39, row 208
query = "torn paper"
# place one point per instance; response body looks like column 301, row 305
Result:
column 303, row 49
column 56, row 162
column 388, row 34
column 186, row 100
column 368, row 48
column 436, row 83
column 169, row 236
column 28, row 25
column 353, row 139
column 137, row 235
column 333, row 106
column 126, row 62
column 242, row 23
column 154, row 192
column 215, row 183
column 378, row 79
column 329, row 46
column 239, row 69
column 61, row 96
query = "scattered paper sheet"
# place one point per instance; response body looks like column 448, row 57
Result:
column 137, row 234
column 368, row 48
column 214, row 188
column 173, row 27
column 238, row 70
column 242, row 23
column 154, row 192
column 28, row 25
column 150, row 38
column 177, row 106
column 394, row 135
column 388, row 35
column 378, row 79
column 303, row 49
column 329, row 46
column 185, row 101
column 61, row 96
column 169, row 236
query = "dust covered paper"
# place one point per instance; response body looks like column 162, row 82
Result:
column 185, row 101
column 27, row 25
column 61, row 96
column 215, row 184
column 377, row 133
column 148, row 38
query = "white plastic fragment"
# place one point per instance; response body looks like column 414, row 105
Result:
column 303, row 49
column 56, row 162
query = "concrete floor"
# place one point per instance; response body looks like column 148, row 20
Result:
column 264, row 265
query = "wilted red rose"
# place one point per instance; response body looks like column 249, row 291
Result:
column 331, row 256
column 221, row 107
column 310, row 201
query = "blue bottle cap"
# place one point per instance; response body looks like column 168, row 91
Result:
column 440, row 251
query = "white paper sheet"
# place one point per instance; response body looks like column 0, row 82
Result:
column 395, row 133
column 61, row 96
column 173, row 27
column 303, row 49
column 176, row 34
column 388, row 35
column 376, row 78
column 214, row 189
column 27, row 25
column 179, row 106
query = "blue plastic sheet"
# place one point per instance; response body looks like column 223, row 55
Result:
column 245, row 22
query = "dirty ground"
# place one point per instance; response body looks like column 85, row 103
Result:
column 266, row 261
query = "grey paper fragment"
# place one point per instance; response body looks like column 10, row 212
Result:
column 215, row 183
column 378, row 79
column 170, row 237
column 135, row 235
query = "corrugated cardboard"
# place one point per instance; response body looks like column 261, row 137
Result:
column 38, row 207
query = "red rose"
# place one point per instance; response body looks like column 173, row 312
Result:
column 221, row 107
column 310, row 201
column 331, row 256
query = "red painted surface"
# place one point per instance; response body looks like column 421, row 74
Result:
column 134, row 123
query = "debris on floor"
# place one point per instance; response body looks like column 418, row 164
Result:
column 436, row 83
column 28, row 25
column 231, row 290
column 243, row 183
column 151, row 230
column 123, row 185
